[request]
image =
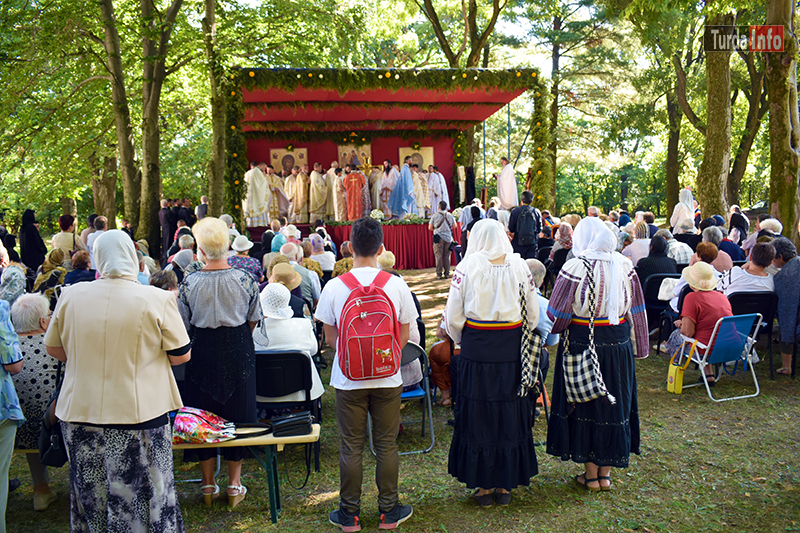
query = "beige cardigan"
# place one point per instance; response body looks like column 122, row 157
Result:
column 116, row 333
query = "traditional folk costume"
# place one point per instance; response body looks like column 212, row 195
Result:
column 598, row 431
column 354, row 185
column 319, row 196
column 402, row 201
column 421, row 194
column 492, row 443
column 507, row 188
column 256, row 204
column 301, row 198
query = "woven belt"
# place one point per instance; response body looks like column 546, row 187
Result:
column 597, row 321
column 488, row 325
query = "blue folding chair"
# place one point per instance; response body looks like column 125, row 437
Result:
column 421, row 392
column 732, row 340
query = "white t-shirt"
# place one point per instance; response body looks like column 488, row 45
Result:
column 329, row 309
column 90, row 244
column 739, row 280
column 326, row 260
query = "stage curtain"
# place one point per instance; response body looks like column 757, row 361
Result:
column 412, row 244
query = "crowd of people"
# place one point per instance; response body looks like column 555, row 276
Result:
column 195, row 317
column 306, row 194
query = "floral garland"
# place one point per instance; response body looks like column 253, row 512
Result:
column 347, row 80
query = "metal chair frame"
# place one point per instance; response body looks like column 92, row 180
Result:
column 411, row 352
column 710, row 357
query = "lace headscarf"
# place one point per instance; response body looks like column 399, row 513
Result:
column 115, row 256
column 488, row 238
column 564, row 235
column 594, row 241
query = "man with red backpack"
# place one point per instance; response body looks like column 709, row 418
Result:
column 366, row 314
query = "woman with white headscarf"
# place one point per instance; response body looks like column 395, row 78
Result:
column 603, row 432
column 492, row 444
column 683, row 209
column 117, row 393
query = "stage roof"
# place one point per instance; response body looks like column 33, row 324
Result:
column 279, row 102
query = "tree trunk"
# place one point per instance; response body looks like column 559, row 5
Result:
column 784, row 126
column 153, row 74
column 756, row 108
column 553, row 148
column 216, row 167
column 712, row 178
column 131, row 179
column 69, row 206
column 673, row 167
column 104, row 190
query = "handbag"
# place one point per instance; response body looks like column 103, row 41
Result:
column 675, row 372
column 436, row 239
column 582, row 378
column 52, row 450
column 196, row 426
column 292, row 424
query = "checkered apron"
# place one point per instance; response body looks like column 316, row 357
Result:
column 531, row 350
column 582, row 378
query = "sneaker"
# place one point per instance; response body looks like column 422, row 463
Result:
column 395, row 517
column 344, row 520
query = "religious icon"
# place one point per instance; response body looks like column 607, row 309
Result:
column 422, row 156
column 284, row 160
column 350, row 154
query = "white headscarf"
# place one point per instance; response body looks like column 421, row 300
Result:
column 115, row 255
column 593, row 240
column 687, row 198
column 489, row 239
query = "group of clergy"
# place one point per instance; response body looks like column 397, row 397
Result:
column 341, row 193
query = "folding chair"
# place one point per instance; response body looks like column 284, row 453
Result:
column 421, row 392
column 281, row 374
column 731, row 341
column 653, row 306
column 766, row 303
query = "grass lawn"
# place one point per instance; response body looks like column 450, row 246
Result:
column 733, row 466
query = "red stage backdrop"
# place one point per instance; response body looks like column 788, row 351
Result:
column 382, row 148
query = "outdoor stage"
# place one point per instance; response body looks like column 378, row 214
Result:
column 411, row 244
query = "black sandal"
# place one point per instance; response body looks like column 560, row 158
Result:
column 586, row 482
column 605, row 488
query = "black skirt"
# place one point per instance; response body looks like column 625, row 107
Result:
column 492, row 442
column 222, row 366
column 597, row 431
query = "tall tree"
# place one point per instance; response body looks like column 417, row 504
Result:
column 216, row 166
column 784, row 125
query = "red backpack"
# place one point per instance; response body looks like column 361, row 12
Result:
column 369, row 331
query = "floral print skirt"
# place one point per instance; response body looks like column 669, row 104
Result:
column 121, row 480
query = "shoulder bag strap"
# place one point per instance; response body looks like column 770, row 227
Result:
column 349, row 280
column 381, row 279
column 592, row 301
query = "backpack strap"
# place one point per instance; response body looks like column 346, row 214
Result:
column 349, row 280
column 381, row 279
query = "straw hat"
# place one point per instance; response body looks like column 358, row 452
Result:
column 700, row 276
column 275, row 301
column 287, row 276
column 241, row 243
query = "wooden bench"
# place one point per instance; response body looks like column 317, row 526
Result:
column 268, row 460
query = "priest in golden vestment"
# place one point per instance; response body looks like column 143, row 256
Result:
column 319, row 195
column 279, row 202
column 301, row 196
column 339, row 195
column 330, row 179
column 256, row 204
column 290, row 186
column 421, row 191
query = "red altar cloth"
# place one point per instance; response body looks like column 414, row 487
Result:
column 411, row 244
